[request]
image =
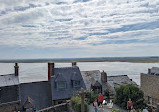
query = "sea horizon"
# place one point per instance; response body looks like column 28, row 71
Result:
column 82, row 59
column 32, row 72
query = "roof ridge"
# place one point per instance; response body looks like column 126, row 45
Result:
column 7, row 74
column 117, row 75
column 90, row 71
column 65, row 67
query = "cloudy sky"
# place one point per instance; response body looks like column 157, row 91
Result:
column 78, row 28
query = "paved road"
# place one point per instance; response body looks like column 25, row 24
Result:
column 104, row 109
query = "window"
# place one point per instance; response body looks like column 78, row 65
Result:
column 76, row 84
column 61, row 85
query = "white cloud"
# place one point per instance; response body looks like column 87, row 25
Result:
column 67, row 24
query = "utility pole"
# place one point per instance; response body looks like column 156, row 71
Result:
column 82, row 94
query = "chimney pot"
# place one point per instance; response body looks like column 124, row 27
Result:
column 16, row 69
column 74, row 64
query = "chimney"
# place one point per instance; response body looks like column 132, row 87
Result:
column 50, row 70
column 149, row 71
column 104, row 76
column 74, row 64
column 16, row 69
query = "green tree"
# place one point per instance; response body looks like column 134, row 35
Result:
column 90, row 96
column 124, row 92
column 76, row 104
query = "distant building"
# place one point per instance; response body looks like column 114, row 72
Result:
column 99, row 82
column 150, row 86
column 61, row 85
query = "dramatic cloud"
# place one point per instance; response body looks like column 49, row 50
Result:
column 97, row 27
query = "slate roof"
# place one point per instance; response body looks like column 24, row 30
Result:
column 39, row 92
column 96, row 84
column 59, row 77
column 76, row 76
column 8, row 80
column 90, row 77
column 155, row 70
column 117, row 81
column 66, row 73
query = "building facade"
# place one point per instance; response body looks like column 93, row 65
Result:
column 150, row 86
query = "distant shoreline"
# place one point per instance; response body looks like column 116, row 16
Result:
column 98, row 59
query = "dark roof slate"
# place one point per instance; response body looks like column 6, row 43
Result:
column 66, row 72
column 76, row 76
column 97, row 84
column 39, row 92
column 59, row 77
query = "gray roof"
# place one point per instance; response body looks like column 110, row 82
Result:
column 59, row 77
column 39, row 92
column 155, row 70
column 90, row 77
column 117, row 81
column 97, row 84
column 76, row 76
column 8, row 80
column 66, row 72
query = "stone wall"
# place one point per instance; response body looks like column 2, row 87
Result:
column 150, row 87
column 64, row 107
column 10, row 107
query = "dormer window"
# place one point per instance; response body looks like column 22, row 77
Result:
column 61, row 84
column 76, row 83
column 76, row 80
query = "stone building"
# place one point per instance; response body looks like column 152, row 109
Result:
column 150, row 86
column 65, row 83
column 99, row 82
column 62, row 83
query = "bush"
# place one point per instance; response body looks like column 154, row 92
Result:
column 115, row 110
column 76, row 104
column 124, row 92
column 91, row 97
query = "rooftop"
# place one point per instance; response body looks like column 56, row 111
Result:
column 90, row 77
column 8, row 80
column 65, row 74
column 155, row 70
